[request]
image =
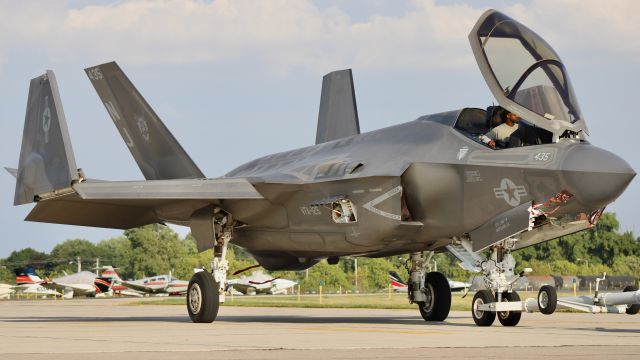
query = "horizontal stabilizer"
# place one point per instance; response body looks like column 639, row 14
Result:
column 46, row 160
column 155, row 149
column 338, row 116
column 71, row 210
column 183, row 189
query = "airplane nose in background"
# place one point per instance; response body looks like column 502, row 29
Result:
column 595, row 176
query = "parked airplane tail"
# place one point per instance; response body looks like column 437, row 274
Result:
column 109, row 272
column 103, row 284
column 47, row 165
column 155, row 149
column 395, row 280
column 27, row 276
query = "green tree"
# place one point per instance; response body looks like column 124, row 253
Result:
column 6, row 275
column 156, row 249
column 118, row 253
column 27, row 257
column 66, row 253
column 331, row 277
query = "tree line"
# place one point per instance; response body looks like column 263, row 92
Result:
column 157, row 249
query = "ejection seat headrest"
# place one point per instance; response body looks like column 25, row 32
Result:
column 494, row 116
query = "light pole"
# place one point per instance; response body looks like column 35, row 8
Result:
column 355, row 265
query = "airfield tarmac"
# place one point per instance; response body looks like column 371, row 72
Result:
column 115, row 328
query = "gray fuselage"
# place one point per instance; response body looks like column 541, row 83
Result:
column 414, row 186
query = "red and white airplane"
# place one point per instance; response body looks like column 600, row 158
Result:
column 109, row 281
column 28, row 283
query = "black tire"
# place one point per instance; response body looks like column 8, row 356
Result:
column 203, row 299
column 510, row 318
column 634, row 308
column 438, row 293
column 480, row 317
column 547, row 299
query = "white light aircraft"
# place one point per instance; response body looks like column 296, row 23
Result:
column 160, row 284
column 400, row 286
column 260, row 283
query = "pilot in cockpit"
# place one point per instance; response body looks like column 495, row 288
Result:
column 499, row 135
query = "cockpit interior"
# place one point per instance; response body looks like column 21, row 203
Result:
column 474, row 123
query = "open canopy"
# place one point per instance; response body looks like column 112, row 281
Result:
column 525, row 74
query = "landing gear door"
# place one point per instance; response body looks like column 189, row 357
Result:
column 525, row 75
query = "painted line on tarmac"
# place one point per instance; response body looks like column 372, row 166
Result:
column 354, row 330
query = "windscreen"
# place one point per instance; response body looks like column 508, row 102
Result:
column 527, row 69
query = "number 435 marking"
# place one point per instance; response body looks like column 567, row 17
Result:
column 543, row 156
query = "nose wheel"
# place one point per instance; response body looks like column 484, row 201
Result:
column 483, row 317
column 510, row 318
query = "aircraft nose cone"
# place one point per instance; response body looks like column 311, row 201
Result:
column 595, row 176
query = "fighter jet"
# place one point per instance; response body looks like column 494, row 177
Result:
column 431, row 184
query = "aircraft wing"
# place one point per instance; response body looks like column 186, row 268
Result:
column 80, row 289
column 143, row 288
column 244, row 288
column 131, row 293
column 181, row 189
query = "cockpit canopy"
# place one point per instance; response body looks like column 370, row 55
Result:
column 525, row 74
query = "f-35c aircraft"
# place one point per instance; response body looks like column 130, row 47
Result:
column 426, row 185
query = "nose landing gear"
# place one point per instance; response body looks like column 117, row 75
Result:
column 500, row 299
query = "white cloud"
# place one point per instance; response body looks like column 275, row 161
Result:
column 296, row 33
column 589, row 26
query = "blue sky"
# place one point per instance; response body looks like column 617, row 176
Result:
column 234, row 80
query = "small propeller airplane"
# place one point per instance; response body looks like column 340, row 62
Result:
column 159, row 284
column 431, row 184
column 260, row 283
column 398, row 285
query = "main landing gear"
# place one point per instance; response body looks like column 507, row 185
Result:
column 206, row 290
column 430, row 290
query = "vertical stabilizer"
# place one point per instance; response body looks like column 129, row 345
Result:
column 46, row 160
column 338, row 117
column 157, row 152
